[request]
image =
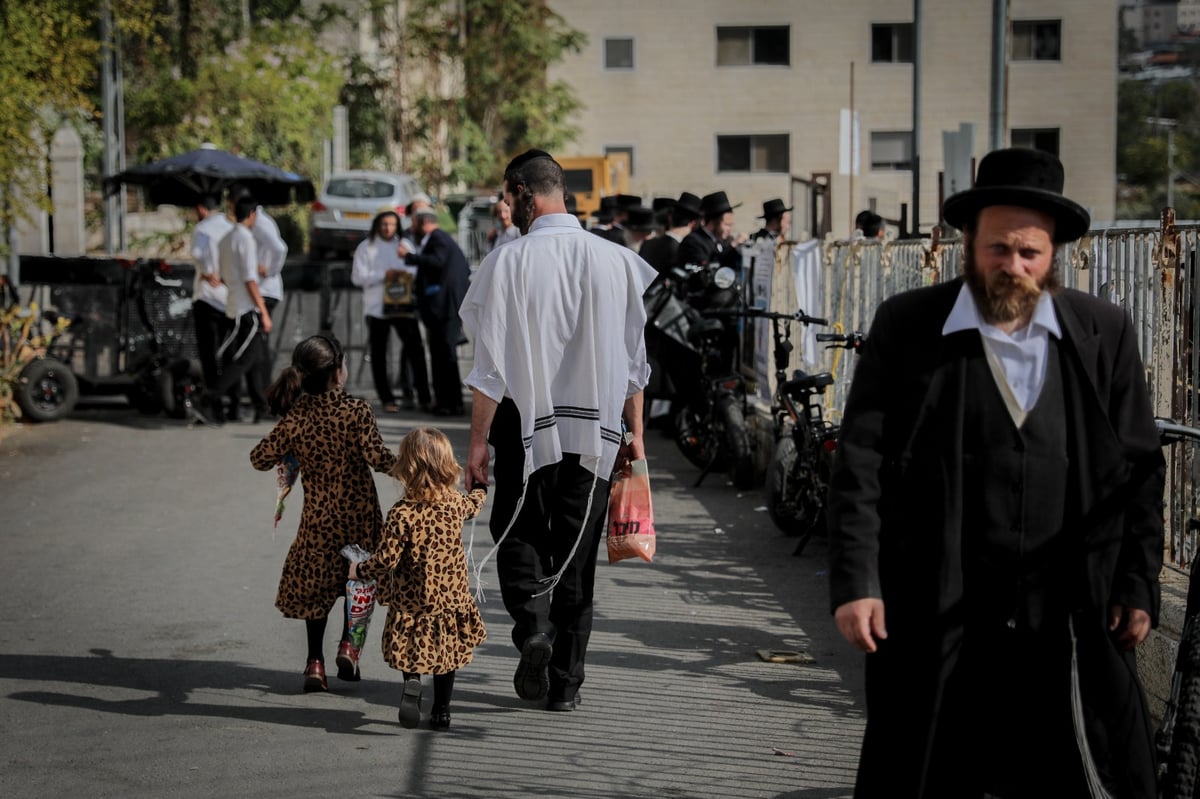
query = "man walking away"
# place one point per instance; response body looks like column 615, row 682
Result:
column 560, row 361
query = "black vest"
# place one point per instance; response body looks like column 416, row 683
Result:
column 1014, row 485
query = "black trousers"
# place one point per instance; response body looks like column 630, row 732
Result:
column 444, row 336
column 409, row 332
column 211, row 329
column 538, row 545
column 239, row 353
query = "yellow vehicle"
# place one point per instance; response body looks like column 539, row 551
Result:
column 590, row 177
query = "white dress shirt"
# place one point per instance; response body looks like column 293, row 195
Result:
column 272, row 253
column 372, row 260
column 206, row 238
column 1021, row 356
column 239, row 266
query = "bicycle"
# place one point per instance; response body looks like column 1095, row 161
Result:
column 1177, row 740
column 798, row 474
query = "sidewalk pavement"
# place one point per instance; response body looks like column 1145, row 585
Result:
column 141, row 654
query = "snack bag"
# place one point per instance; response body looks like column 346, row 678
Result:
column 286, row 472
column 630, row 515
column 360, row 601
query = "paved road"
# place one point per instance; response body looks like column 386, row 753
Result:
column 141, row 654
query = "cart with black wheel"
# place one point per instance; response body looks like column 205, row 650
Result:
column 131, row 334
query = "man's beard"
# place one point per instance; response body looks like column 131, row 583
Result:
column 1000, row 296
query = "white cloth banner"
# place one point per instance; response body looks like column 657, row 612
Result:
column 808, row 276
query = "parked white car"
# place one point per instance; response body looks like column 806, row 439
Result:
column 342, row 213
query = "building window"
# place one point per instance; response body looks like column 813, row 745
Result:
column 739, row 47
column 769, row 152
column 1045, row 139
column 626, row 149
column 618, row 53
column 892, row 43
column 891, row 149
column 1037, row 40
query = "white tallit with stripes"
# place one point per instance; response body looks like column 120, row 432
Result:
column 558, row 321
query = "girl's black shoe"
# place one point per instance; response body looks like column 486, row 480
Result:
column 439, row 719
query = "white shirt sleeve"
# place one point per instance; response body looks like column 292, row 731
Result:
column 272, row 249
column 485, row 375
column 246, row 253
column 360, row 269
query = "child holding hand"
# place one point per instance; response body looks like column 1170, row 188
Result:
column 433, row 623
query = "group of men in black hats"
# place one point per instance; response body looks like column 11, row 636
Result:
column 694, row 230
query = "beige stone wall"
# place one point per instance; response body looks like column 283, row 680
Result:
column 675, row 101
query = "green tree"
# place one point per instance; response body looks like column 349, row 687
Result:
column 495, row 54
column 49, row 65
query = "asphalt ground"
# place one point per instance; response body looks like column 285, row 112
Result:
column 141, row 654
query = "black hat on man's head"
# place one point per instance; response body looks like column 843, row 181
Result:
column 608, row 203
column 640, row 219
column 686, row 208
column 525, row 158
column 773, row 209
column 1023, row 178
column 716, row 204
column 627, row 201
column 661, row 204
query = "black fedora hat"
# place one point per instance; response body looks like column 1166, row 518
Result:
column 773, row 208
column 715, row 204
column 686, row 208
column 626, row 201
column 640, row 219
column 1024, row 178
column 662, row 203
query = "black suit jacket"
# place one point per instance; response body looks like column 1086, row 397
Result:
column 660, row 252
column 443, row 276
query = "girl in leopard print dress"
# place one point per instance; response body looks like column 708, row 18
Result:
column 336, row 440
column 433, row 623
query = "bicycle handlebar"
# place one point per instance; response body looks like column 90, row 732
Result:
column 850, row 341
column 759, row 313
column 1170, row 432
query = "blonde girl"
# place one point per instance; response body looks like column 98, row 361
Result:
column 433, row 624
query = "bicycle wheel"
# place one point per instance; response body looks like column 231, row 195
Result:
column 737, row 442
column 1183, row 763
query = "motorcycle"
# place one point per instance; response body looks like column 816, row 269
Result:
column 691, row 342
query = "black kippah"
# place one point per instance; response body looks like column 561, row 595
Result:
column 524, row 158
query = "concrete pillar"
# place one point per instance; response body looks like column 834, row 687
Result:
column 66, row 181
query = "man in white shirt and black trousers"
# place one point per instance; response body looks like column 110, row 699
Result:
column 560, row 362
column 237, row 255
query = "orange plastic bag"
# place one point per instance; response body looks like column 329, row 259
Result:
column 631, row 515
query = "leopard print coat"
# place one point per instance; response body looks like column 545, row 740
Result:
column 335, row 437
column 433, row 623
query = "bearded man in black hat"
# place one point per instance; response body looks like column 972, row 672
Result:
column 712, row 241
column 995, row 517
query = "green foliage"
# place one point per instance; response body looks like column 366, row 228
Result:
column 1142, row 146
column 499, row 51
column 48, row 61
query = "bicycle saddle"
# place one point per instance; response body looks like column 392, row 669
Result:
column 806, row 382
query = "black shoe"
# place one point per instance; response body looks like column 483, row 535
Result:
column 439, row 719
column 564, row 705
column 532, row 679
column 410, row 704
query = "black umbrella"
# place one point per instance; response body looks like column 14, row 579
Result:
column 188, row 178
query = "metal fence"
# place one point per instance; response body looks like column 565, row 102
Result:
column 1150, row 272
